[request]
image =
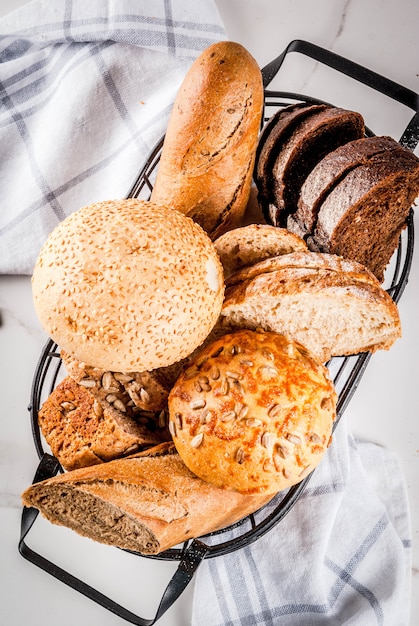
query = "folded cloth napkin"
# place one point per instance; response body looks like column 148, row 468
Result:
column 86, row 91
column 342, row 555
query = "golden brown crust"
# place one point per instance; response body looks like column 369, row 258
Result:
column 331, row 313
column 128, row 286
column 148, row 503
column 247, row 245
column 82, row 430
column 254, row 412
column 206, row 166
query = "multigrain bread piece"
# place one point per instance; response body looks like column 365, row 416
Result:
column 250, row 244
column 331, row 313
column 206, row 165
column 254, row 412
column 128, row 285
column 82, row 430
column 330, row 171
column 146, row 503
column 147, row 391
column 363, row 216
column 297, row 150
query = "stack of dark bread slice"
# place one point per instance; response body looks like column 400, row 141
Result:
column 342, row 192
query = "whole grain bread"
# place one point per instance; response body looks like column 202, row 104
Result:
column 319, row 130
column 146, row 503
column 83, row 430
column 330, row 171
column 362, row 217
column 244, row 246
column 331, row 313
column 206, row 165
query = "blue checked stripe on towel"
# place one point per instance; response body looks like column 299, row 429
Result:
column 86, row 90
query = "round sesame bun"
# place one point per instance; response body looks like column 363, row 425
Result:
column 128, row 285
column 253, row 412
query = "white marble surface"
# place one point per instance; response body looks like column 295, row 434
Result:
column 379, row 34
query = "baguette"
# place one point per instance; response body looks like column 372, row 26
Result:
column 146, row 503
column 206, row 165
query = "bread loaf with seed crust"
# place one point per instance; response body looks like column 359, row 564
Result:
column 253, row 412
column 146, row 503
column 206, row 165
column 83, row 430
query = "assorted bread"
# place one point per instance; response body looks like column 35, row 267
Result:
column 206, row 165
column 195, row 347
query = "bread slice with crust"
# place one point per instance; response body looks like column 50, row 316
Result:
column 331, row 313
column 250, row 244
column 83, row 430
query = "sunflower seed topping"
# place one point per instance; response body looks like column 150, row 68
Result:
column 178, row 421
column 144, row 395
column 109, row 383
column 68, row 406
column 87, row 382
column 197, row 403
column 172, row 428
column 240, row 456
column 274, row 411
column 118, row 404
column 227, row 417
column 266, row 439
column 122, row 378
column 293, row 438
column 197, row 440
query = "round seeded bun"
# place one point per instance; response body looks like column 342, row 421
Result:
column 128, row 285
column 253, row 412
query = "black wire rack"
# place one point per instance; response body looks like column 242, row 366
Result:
column 346, row 372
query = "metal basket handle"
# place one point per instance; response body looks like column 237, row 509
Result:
column 191, row 559
column 403, row 95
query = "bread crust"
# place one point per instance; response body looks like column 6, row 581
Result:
column 82, row 430
column 254, row 412
column 206, row 165
column 146, row 503
column 246, row 245
column 330, row 313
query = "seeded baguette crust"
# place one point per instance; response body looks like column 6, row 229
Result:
column 330, row 313
column 206, row 165
column 146, row 503
column 254, row 412
column 128, row 285
column 82, row 430
column 246, row 245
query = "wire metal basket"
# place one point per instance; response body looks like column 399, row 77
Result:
column 346, row 372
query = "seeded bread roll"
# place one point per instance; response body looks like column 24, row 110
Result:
column 82, row 430
column 206, row 165
column 244, row 246
column 147, row 391
column 146, row 503
column 332, row 313
column 254, row 412
column 128, row 285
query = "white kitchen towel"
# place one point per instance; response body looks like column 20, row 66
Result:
column 86, row 91
column 342, row 555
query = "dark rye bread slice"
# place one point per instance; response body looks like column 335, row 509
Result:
column 362, row 216
column 273, row 136
column 308, row 139
column 328, row 173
